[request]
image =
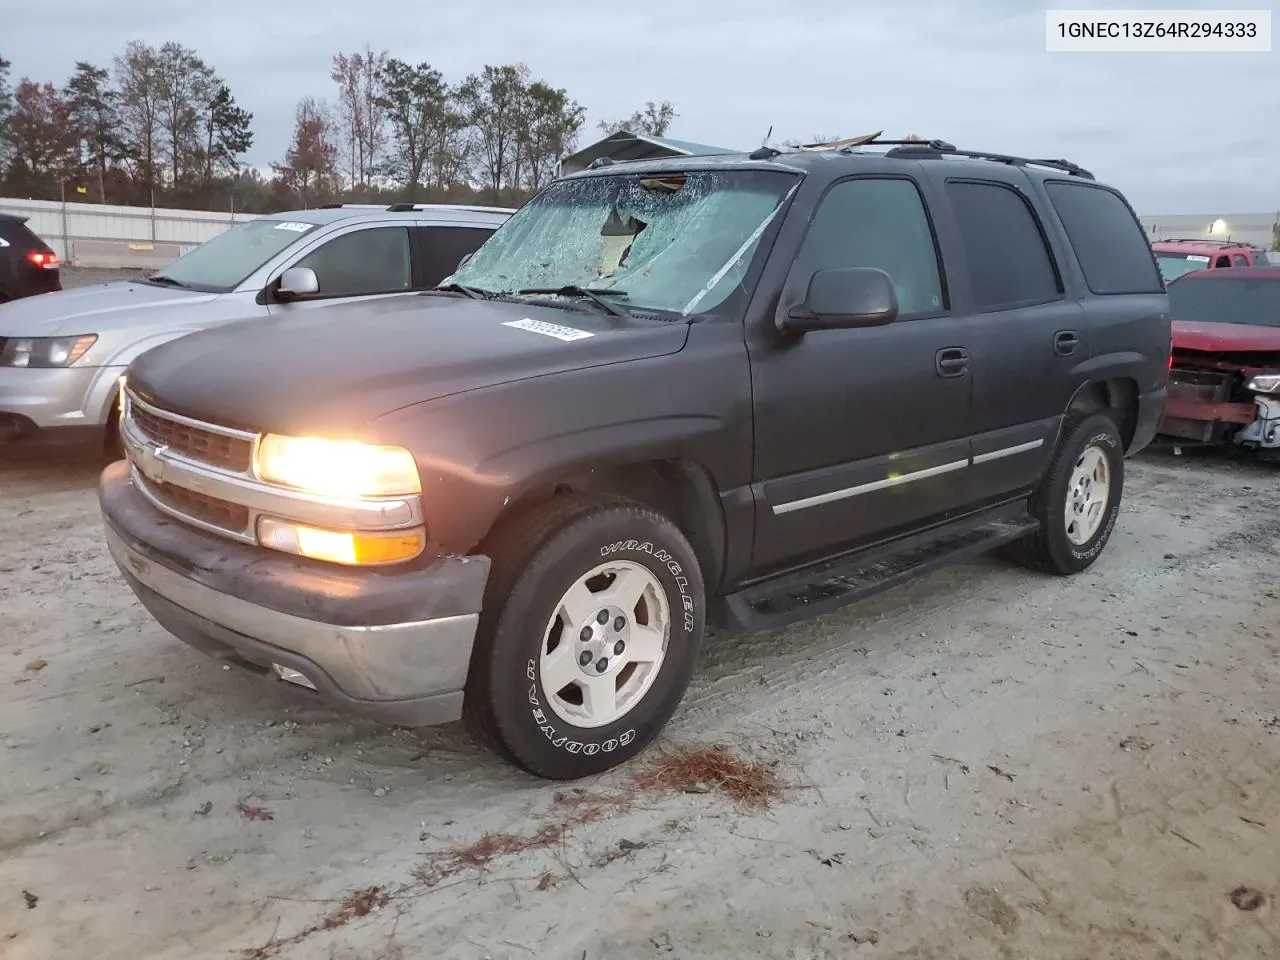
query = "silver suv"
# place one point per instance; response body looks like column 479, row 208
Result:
column 62, row 353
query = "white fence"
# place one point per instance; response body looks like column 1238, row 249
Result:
column 102, row 235
column 96, row 235
column 1255, row 229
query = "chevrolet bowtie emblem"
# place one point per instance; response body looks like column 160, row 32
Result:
column 151, row 463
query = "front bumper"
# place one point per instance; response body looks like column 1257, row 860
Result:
column 1207, row 407
column 1263, row 432
column 394, row 646
column 56, row 406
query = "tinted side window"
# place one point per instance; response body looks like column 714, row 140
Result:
column 364, row 262
column 20, row 235
column 876, row 223
column 442, row 249
column 1240, row 260
column 12, row 232
column 1222, row 261
column 1108, row 240
column 1009, row 263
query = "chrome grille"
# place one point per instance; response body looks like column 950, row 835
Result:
column 154, row 437
column 195, row 443
column 202, row 507
column 202, row 474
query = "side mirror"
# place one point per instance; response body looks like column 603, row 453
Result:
column 297, row 282
column 844, row 298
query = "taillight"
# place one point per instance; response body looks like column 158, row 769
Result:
column 45, row 261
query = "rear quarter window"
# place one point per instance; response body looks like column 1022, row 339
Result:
column 444, row 247
column 1109, row 243
column 9, row 232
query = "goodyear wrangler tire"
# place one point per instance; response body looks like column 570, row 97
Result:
column 592, row 621
column 1078, row 500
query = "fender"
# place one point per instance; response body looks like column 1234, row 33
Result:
column 101, row 395
column 1114, row 366
column 539, row 464
column 482, row 451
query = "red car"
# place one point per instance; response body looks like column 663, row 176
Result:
column 1224, row 373
column 1177, row 257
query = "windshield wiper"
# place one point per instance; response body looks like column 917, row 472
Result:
column 596, row 296
column 161, row 278
column 475, row 293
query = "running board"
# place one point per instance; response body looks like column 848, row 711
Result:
column 833, row 584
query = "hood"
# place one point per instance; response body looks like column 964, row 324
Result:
column 96, row 309
column 333, row 369
column 1225, row 337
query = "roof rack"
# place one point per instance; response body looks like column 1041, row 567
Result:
column 936, row 149
column 917, row 148
column 1203, row 243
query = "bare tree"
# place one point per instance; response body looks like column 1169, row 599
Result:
column 137, row 77
column 309, row 170
column 184, row 85
column 363, row 118
column 653, row 119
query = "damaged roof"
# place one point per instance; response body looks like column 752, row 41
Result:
column 625, row 145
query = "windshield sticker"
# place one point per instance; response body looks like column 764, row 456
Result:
column 548, row 329
column 1198, row 259
column 294, row 226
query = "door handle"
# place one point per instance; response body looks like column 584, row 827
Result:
column 951, row 362
column 1065, row 342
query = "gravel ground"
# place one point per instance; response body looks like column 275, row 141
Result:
column 982, row 764
column 87, row 276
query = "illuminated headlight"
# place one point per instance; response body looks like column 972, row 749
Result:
column 351, row 547
column 45, row 352
column 337, row 468
column 1265, row 383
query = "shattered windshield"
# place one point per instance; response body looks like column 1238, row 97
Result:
column 677, row 242
column 226, row 261
column 1174, row 265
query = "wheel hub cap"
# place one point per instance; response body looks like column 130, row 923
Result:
column 604, row 638
column 605, row 644
column 1088, row 495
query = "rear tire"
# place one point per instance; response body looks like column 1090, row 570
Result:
column 592, row 621
column 1078, row 499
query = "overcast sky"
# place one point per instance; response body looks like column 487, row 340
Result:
column 1179, row 133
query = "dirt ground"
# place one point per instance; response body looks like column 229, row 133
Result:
column 983, row 764
column 84, row 276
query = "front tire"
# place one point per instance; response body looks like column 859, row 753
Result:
column 112, row 445
column 592, row 621
column 1078, row 499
